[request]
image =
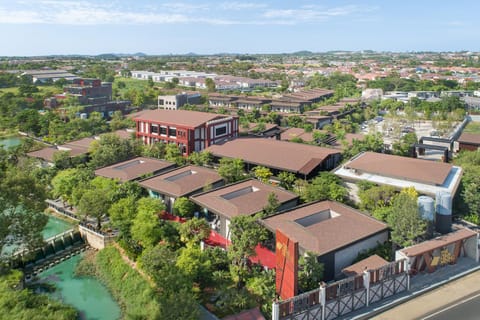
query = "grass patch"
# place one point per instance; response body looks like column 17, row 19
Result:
column 472, row 127
column 136, row 297
column 41, row 89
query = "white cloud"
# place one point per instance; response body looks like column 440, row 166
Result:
column 314, row 13
column 88, row 12
column 242, row 5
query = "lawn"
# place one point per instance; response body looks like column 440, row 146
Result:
column 472, row 127
column 42, row 89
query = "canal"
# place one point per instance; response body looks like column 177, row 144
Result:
column 10, row 142
column 86, row 294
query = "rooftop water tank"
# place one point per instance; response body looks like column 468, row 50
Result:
column 426, row 206
column 443, row 220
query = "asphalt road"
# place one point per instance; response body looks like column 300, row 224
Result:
column 467, row 309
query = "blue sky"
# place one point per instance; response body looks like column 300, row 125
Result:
column 39, row 27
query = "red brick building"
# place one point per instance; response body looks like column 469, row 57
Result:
column 191, row 130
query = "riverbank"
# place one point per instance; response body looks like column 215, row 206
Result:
column 136, row 297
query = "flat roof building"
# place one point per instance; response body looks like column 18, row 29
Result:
column 427, row 177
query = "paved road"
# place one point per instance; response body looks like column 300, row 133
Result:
column 467, row 309
column 459, row 299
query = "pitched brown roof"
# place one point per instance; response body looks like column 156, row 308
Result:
column 469, row 138
column 281, row 155
column 182, row 181
column 75, row 148
column 134, row 168
column 370, row 263
column 178, row 117
column 439, row 242
column 411, row 169
column 243, row 198
column 326, row 226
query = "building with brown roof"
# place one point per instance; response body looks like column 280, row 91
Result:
column 427, row 177
column 77, row 148
column 134, row 169
column 181, row 182
column 242, row 198
column 190, row 130
column 333, row 231
column 468, row 141
column 260, row 129
column 301, row 159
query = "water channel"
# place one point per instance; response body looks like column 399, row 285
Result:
column 10, row 142
column 86, row 294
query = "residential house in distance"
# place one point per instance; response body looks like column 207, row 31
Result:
column 288, row 105
column 134, row 169
column 303, row 160
column 242, row 198
column 333, row 231
column 93, row 95
column 251, row 103
column 174, row 102
column 181, row 182
column 266, row 130
column 216, row 100
column 190, row 130
column 44, row 76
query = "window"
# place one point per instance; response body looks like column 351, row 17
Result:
column 163, row 130
column 172, row 132
column 220, row 131
column 161, row 102
column 154, row 129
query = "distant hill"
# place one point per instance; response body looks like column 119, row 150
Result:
column 120, row 55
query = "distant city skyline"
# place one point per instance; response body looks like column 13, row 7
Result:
column 49, row 27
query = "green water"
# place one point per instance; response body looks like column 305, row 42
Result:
column 86, row 294
column 55, row 226
column 10, row 142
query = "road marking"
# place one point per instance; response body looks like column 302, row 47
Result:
column 451, row 306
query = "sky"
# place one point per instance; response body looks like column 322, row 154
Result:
column 45, row 27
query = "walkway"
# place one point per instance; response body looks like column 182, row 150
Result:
column 422, row 285
column 437, row 299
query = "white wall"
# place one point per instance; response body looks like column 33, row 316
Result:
column 345, row 257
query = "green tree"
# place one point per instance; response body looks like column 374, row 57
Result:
column 210, row 85
column 326, row 186
column 146, row 227
column 272, row 205
column 122, row 213
column 405, row 221
column 183, row 207
column 231, row 169
column 262, row 173
column 403, row 147
column 111, row 149
column 287, row 180
column 245, row 234
column 155, row 150
column 22, row 201
column 194, row 230
column 174, row 154
column 203, row 158
column 376, row 197
column 66, row 181
column 24, row 304
column 310, row 272
column 194, row 263
column 94, row 204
